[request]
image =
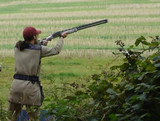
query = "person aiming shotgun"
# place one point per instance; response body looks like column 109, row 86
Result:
column 26, row 88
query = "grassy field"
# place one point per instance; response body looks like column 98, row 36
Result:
column 128, row 19
column 56, row 69
column 85, row 52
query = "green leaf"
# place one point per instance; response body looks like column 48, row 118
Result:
column 79, row 93
column 134, row 98
column 142, row 97
column 94, row 119
column 70, row 97
column 145, row 43
column 129, row 87
column 139, row 40
column 150, row 68
column 114, row 67
column 145, row 115
column 113, row 117
column 142, row 76
column 154, row 44
column 131, row 47
column 112, row 97
column 110, row 91
column 157, row 65
column 136, row 106
column 144, row 84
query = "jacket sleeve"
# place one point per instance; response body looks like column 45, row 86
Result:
column 49, row 51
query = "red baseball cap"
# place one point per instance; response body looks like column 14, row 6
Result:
column 29, row 32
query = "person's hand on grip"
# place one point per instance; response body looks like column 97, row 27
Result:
column 45, row 43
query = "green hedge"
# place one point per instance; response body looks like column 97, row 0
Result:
column 130, row 91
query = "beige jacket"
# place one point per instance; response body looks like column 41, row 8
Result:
column 27, row 62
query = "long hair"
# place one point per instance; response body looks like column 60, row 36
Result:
column 21, row 45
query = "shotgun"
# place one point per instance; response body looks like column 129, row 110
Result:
column 74, row 29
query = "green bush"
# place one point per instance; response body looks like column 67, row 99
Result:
column 130, row 91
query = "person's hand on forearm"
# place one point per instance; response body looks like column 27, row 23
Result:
column 64, row 34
